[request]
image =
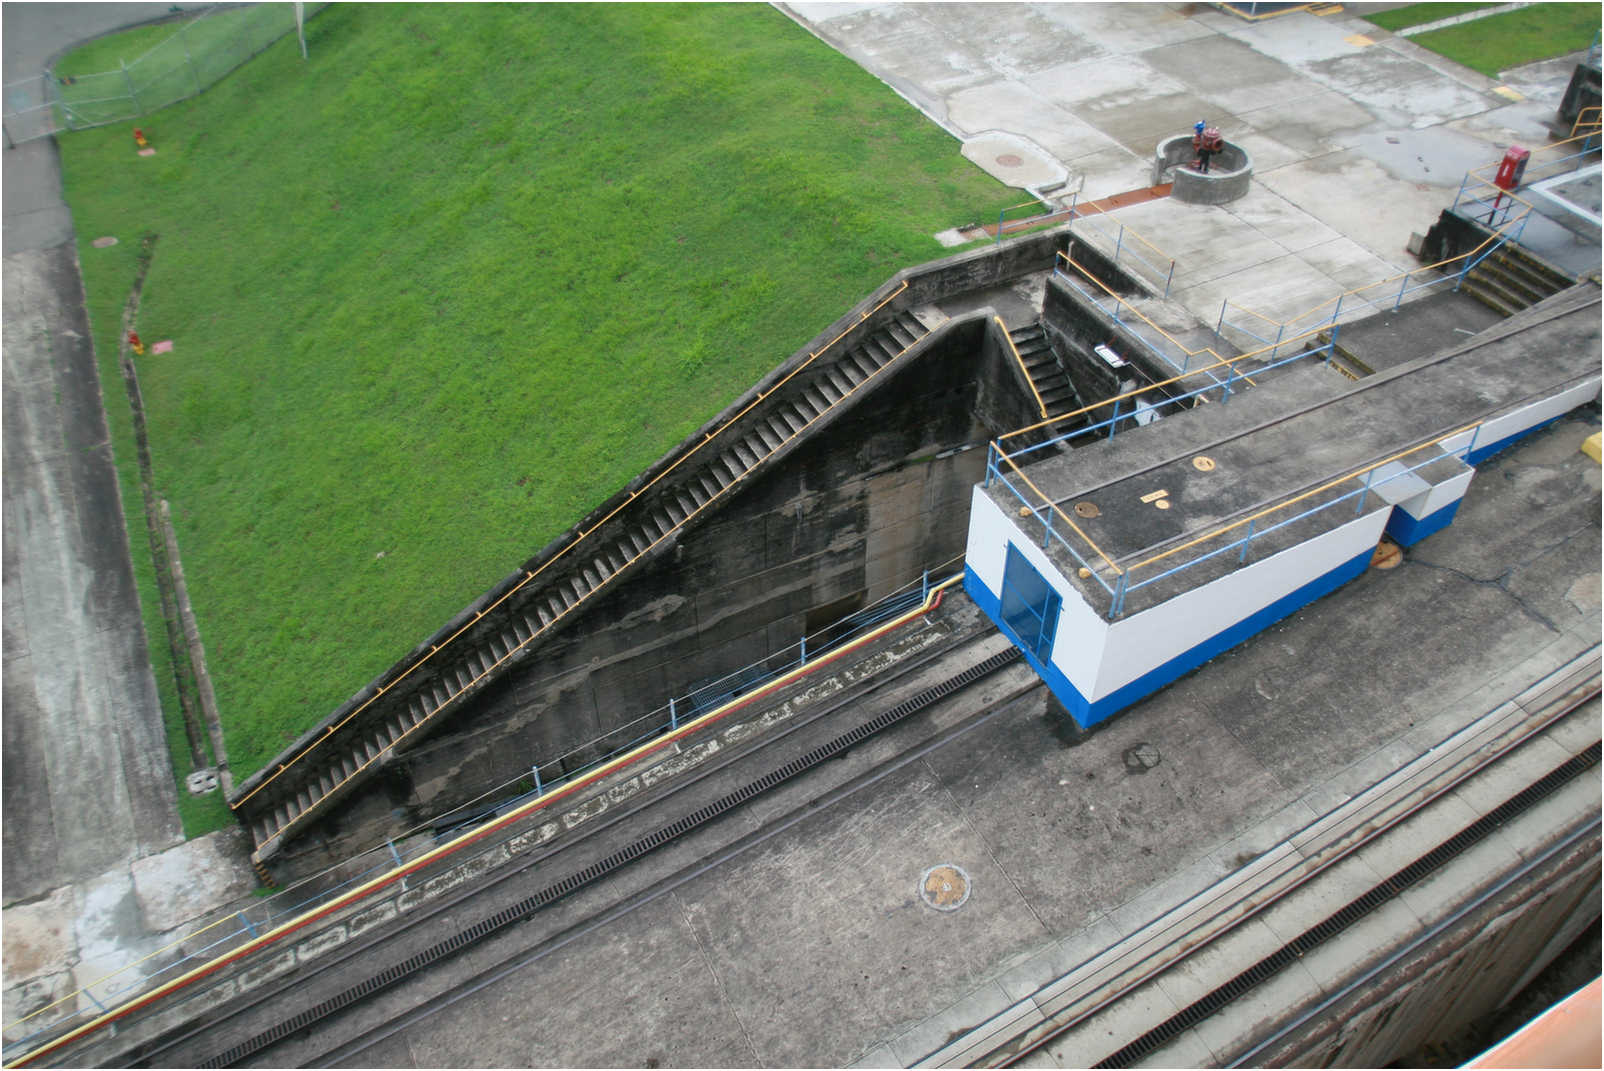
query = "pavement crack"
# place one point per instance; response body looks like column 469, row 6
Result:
column 1500, row 583
column 718, row 981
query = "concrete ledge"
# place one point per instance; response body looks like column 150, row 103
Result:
column 1227, row 180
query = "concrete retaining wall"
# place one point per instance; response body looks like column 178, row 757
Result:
column 873, row 496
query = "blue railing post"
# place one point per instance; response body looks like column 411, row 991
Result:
column 245, row 921
column 1119, row 243
column 1401, row 287
column 1225, row 389
column 804, row 650
column 1247, row 542
column 1471, row 449
column 1047, row 528
column 1221, row 324
column 1365, row 494
column 395, row 856
column 1000, row 213
column 1275, row 350
column 673, row 722
column 1168, row 279
column 1112, row 424
column 924, row 587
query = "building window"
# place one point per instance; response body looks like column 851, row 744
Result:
column 1029, row 606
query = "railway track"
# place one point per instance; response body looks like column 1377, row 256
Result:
column 510, row 910
column 1031, row 1026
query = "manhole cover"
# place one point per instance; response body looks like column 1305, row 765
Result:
column 1008, row 159
column 1087, row 509
column 1387, row 555
column 1141, row 758
column 201, row 782
column 1203, row 464
column 944, row 887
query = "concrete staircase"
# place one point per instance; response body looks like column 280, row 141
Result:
column 1046, row 374
column 414, row 697
column 1510, row 279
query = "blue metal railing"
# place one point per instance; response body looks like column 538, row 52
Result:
column 1128, row 244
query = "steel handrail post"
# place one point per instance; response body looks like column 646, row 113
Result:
column 1119, row 243
column 1047, row 529
column 804, row 650
column 1168, row 279
column 1114, row 420
column 1401, row 287
column 1275, row 350
column 1246, row 542
column 1358, row 509
column 1000, row 213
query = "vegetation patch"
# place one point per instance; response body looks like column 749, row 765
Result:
column 1402, row 18
column 446, row 287
column 1498, row 43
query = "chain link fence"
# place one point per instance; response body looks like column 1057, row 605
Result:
column 194, row 57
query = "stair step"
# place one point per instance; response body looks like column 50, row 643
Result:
column 671, row 508
column 766, row 435
column 885, row 348
column 758, row 446
column 850, row 372
column 827, row 390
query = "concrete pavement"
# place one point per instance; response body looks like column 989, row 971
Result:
column 89, row 796
column 1358, row 138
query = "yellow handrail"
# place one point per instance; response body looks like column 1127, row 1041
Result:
column 437, row 648
column 1177, row 343
column 1583, row 120
column 1054, row 507
column 1294, row 501
column 1025, row 371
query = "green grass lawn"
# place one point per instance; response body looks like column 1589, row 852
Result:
column 1499, row 42
column 443, row 289
column 1401, row 18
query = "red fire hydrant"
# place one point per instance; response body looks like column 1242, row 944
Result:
column 134, row 344
column 139, row 136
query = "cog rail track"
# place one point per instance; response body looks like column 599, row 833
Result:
column 185, row 1046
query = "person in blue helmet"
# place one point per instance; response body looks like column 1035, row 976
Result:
column 1206, row 140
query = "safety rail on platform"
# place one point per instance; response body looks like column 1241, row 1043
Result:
column 445, row 833
column 1588, row 124
column 1046, row 510
column 1118, row 582
column 1133, row 247
column 563, row 554
column 1381, row 296
column 1130, row 317
column 1041, row 215
column 1547, row 161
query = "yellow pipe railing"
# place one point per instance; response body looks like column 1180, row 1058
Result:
column 1064, row 516
column 531, row 576
column 1021, row 362
column 1190, row 353
column 1221, row 530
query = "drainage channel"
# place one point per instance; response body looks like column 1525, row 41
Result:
column 549, row 895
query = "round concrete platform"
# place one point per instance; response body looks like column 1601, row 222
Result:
column 1226, row 180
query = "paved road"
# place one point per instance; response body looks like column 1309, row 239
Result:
column 87, row 784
